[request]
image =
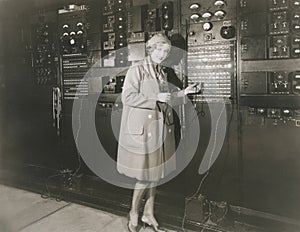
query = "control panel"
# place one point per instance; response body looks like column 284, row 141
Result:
column 73, row 48
column 114, row 33
column 211, row 59
column 268, row 53
column 274, row 25
column 44, row 53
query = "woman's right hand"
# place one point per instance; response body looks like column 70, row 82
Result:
column 164, row 97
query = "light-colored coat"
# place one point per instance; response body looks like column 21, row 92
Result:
column 146, row 148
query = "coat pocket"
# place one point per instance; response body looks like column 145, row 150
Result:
column 134, row 129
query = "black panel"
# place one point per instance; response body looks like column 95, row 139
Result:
column 254, row 83
column 253, row 48
column 253, row 24
column 252, row 5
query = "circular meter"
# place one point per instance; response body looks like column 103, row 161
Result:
column 219, row 3
column 207, row 26
column 194, row 6
column 220, row 14
column 195, row 17
column 206, row 15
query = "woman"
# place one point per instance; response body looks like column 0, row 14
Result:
column 146, row 143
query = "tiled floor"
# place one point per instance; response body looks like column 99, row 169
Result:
column 27, row 212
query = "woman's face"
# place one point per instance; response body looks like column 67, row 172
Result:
column 160, row 53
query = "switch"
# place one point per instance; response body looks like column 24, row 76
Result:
column 275, row 49
column 296, row 40
column 244, row 25
column 261, row 111
column 284, row 49
column 244, row 47
column 296, row 51
column 284, row 24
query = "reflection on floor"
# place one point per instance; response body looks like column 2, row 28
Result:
column 27, row 212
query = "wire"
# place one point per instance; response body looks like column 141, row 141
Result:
column 47, row 195
column 206, row 174
column 227, row 141
column 76, row 139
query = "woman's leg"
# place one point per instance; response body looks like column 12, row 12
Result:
column 149, row 205
column 138, row 194
column 148, row 215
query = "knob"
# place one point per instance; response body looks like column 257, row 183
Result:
column 297, row 51
column 191, row 33
column 296, row 40
column 227, row 32
column 260, row 110
column 296, row 3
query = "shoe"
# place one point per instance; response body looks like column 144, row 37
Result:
column 151, row 221
column 130, row 226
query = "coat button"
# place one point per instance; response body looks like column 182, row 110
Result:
column 149, row 134
column 150, row 116
column 170, row 130
column 169, row 113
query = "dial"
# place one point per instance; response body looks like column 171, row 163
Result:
column 207, row 26
column 79, row 24
column 206, row 15
column 194, row 6
column 195, row 17
column 219, row 3
column 220, row 14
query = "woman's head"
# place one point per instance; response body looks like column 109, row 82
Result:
column 158, row 47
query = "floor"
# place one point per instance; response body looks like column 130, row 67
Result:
column 28, row 212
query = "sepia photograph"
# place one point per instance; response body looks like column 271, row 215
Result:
column 149, row 115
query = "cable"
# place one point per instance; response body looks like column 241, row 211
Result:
column 76, row 139
column 64, row 173
column 227, row 141
column 207, row 173
column 47, row 195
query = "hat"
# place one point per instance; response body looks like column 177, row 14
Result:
column 158, row 38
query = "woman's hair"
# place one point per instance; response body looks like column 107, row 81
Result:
column 157, row 39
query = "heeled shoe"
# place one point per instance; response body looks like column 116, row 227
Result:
column 150, row 221
column 131, row 227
